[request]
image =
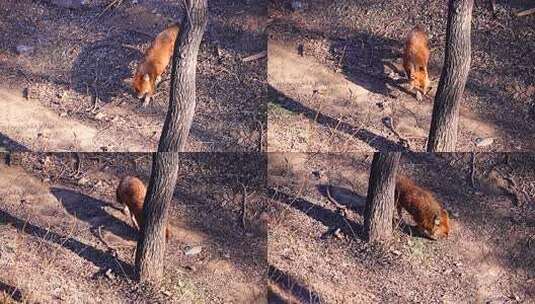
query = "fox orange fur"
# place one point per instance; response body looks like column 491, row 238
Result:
column 154, row 63
column 131, row 193
column 415, row 59
column 430, row 217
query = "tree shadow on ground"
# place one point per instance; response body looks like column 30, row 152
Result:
column 290, row 285
column 101, row 68
column 92, row 211
column 93, row 255
column 374, row 140
column 344, row 196
column 365, row 60
column 13, row 292
column 208, row 202
column 12, row 145
column 326, row 217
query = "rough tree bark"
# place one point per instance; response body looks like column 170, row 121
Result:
column 151, row 247
column 379, row 211
column 445, row 120
column 182, row 97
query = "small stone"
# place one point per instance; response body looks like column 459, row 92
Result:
column 83, row 181
column 166, row 293
column 483, row 142
column 62, row 114
column 396, row 252
column 24, row 49
column 109, row 274
column 447, row 271
column 99, row 116
column 193, row 251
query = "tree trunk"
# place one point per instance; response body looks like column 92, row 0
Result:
column 150, row 250
column 445, row 120
column 182, row 97
column 379, row 211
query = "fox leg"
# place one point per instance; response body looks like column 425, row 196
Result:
column 409, row 70
column 146, row 101
column 127, row 212
column 134, row 222
column 158, row 79
column 408, row 67
column 427, row 82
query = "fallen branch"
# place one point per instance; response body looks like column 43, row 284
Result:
column 526, row 12
column 255, row 56
column 112, row 4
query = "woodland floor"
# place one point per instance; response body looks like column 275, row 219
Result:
column 335, row 76
column 489, row 256
column 77, row 98
column 56, row 217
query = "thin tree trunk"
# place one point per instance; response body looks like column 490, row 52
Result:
column 150, row 250
column 445, row 120
column 182, row 97
column 379, row 211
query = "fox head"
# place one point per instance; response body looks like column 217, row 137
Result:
column 440, row 227
column 420, row 79
column 143, row 85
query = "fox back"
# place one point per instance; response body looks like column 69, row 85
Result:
column 131, row 193
column 155, row 61
column 426, row 211
column 416, row 58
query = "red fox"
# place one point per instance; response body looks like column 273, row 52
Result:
column 131, row 193
column 415, row 59
column 430, row 217
column 154, row 63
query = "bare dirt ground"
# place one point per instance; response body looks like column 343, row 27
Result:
column 317, row 254
column 336, row 78
column 63, row 239
column 74, row 76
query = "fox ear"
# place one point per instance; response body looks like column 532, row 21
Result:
column 146, row 77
